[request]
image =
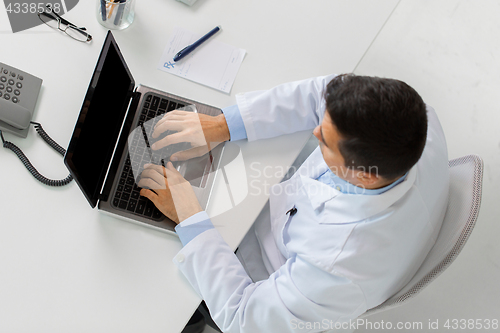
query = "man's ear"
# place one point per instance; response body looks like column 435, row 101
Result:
column 368, row 179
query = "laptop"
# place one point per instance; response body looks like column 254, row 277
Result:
column 112, row 137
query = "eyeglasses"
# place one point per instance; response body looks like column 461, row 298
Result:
column 50, row 18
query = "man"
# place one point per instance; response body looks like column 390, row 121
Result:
column 365, row 209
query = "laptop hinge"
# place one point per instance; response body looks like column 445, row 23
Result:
column 134, row 95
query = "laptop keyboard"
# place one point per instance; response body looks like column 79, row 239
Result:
column 127, row 195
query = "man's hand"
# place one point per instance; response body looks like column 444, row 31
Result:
column 204, row 132
column 169, row 191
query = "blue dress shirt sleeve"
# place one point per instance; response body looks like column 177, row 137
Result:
column 193, row 226
column 235, row 123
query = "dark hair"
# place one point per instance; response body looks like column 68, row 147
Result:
column 382, row 123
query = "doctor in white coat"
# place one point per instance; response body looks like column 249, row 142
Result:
column 340, row 238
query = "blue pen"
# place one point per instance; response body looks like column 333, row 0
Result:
column 190, row 48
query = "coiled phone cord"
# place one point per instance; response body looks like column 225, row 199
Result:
column 27, row 163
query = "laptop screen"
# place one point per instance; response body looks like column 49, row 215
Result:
column 101, row 117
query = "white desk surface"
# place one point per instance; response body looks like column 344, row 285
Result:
column 67, row 268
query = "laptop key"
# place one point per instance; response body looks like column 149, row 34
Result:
column 131, row 205
column 155, row 103
column 116, row 201
column 171, row 106
column 157, row 214
column 163, row 104
column 149, row 209
column 141, row 205
column 123, row 204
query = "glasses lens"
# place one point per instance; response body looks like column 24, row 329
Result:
column 78, row 34
column 49, row 19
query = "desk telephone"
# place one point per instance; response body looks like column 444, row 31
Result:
column 18, row 95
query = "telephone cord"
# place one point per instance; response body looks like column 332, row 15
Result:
column 27, row 163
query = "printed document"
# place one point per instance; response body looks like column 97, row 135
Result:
column 213, row 63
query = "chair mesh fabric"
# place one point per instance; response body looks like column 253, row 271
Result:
column 466, row 174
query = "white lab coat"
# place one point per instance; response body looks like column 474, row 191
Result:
column 339, row 255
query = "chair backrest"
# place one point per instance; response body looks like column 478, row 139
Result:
column 466, row 176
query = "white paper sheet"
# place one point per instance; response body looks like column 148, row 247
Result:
column 214, row 64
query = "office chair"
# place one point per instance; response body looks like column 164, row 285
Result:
column 466, row 176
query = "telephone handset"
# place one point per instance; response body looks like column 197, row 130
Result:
column 18, row 95
column 14, row 114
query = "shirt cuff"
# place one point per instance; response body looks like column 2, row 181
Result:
column 235, row 123
column 193, row 226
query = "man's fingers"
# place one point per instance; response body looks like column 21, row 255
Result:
column 170, row 166
column 173, row 120
column 169, row 140
column 163, row 177
column 166, row 141
column 170, row 125
column 171, row 171
column 158, row 168
column 172, row 116
column 154, row 174
column 150, row 183
column 149, row 195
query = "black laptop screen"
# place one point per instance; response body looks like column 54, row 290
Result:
column 98, row 125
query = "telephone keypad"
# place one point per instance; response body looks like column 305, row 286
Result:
column 19, row 91
column 8, row 85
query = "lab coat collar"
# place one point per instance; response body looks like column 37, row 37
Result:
column 347, row 207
